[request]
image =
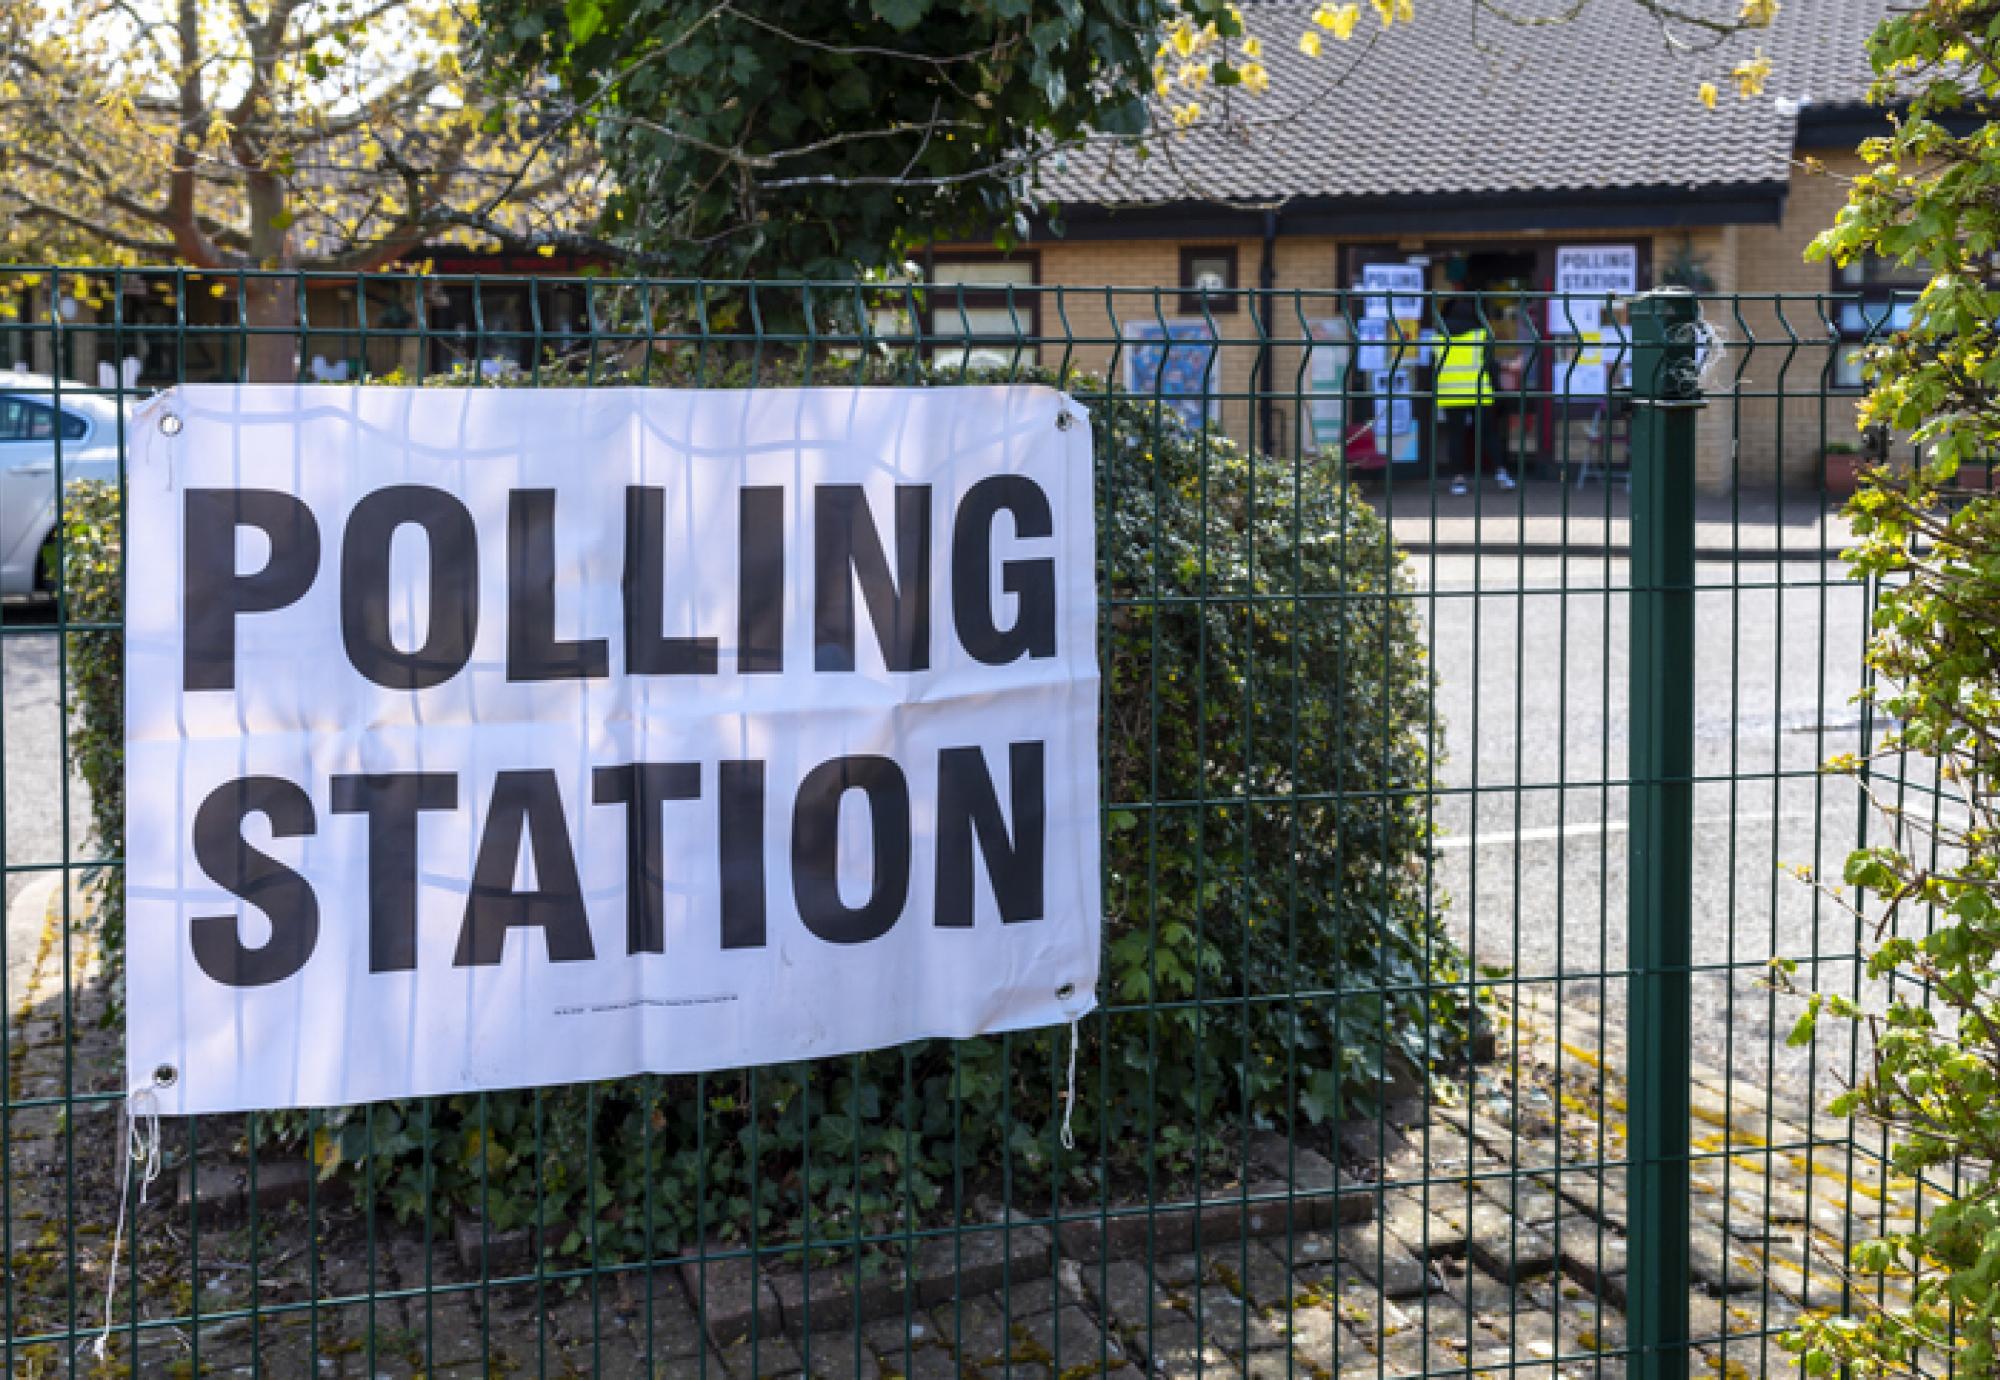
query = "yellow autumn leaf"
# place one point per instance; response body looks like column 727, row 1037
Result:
column 1187, row 114
column 1386, row 9
column 1345, row 17
column 1758, row 14
column 1255, row 77
column 1708, row 94
column 1253, row 47
column 1309, row 44
column 1750, row 76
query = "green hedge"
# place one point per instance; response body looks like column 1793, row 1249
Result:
column 93, row 563
column 1290, row 736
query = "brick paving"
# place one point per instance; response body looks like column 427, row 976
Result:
column 1487, row 1238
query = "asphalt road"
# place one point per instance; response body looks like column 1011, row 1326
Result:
column 1531, row 658
column 31, row 761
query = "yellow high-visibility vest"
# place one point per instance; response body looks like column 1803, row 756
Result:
column 1461, row 372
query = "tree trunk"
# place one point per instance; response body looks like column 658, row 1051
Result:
column 271, row 350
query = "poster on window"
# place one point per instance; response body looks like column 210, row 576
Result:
column 1392, row 291
column 1174, row 362
column 1597, row 364
column 1327, row 362
column 1583, row 375
column 1587, row 276
column 498, row 738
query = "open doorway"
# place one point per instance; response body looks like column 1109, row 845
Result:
column 1397, row 401
column 1501, row 271
column 1505, row 281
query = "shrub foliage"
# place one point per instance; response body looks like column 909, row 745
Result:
column 1267, row 721
column 1932, row 1071
column 1930, row 1022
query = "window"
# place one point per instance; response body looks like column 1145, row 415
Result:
column 21, row 420
column 985, row 311
column 1208, row 274
column 479, row 326
column 1876, row 297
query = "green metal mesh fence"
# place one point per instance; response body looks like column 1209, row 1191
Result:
column 1456, row 751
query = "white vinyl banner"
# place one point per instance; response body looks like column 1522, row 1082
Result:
column 492, row 738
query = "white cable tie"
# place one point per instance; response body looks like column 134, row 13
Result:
column 1069, row 1096
column 142, row 1146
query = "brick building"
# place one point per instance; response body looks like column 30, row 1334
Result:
column 1480, row 158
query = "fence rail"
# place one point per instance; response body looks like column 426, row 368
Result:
column 1446, row 833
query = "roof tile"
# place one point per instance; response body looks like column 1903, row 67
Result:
column 1463, row 102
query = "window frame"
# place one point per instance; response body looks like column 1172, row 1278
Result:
column 950, row 297
column 1872, row 297
column 1197, row 302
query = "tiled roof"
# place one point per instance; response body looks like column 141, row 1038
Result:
column 1453, row 106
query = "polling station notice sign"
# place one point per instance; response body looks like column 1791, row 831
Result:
column 492, row 738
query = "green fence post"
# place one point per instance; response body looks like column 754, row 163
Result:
column 1666, row 391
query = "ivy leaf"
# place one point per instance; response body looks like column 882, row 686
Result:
column 901, row 15
column 586, row 20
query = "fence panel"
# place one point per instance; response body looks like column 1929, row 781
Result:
column 1376, row 635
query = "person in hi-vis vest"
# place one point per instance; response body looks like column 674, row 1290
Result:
column 1468, row 421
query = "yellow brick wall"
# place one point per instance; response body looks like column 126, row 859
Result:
column 1148, row 272
column 1307, row 274
column 1742, row 434
column 1775, row 409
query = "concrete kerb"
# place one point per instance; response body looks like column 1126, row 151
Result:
column 1555, row 550
column 34, row 908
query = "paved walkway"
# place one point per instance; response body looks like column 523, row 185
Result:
column 1487, row 1239
column 1546, row 518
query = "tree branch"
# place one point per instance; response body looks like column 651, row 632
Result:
column 180, row 220
column 35, row 209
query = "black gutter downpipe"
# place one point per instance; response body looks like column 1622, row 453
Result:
column 1267, row 277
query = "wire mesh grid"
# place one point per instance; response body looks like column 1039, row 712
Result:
column 1355, row 1100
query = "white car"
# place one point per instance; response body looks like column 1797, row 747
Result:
column 34, row 413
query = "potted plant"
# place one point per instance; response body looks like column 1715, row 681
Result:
column 1841, row 463
column 1844, row 462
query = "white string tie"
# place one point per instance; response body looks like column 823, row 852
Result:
column 142, row 1147
column 1069, row 1097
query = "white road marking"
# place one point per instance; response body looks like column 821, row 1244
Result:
column 1549, row 833
column 25, row 919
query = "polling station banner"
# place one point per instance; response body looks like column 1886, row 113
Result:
column 494, row 738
